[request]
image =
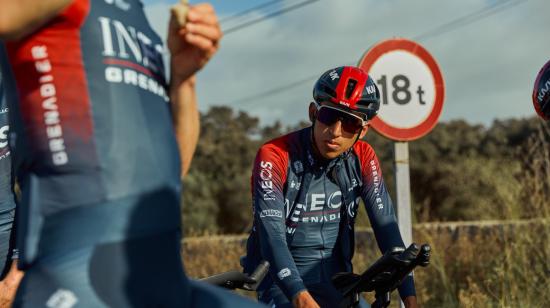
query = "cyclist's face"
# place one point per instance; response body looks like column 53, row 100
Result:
column 333, row 139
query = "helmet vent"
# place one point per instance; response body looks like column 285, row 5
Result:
column 351, row 86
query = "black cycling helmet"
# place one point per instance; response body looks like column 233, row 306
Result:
column 541, row 92
column 348, row 87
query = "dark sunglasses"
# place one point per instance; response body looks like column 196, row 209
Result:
column 350, row 123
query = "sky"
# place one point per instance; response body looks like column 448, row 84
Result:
column 489, row 51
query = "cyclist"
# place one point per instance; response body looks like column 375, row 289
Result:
column 9, row 275
column 96, row 153
column 306, row 189
column 541, row 92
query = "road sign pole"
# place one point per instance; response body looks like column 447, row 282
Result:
column 403, row 187
column 412, row 95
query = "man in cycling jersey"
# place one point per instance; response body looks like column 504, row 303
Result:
column 306, row 189
column 541, row 92
column 96, row 153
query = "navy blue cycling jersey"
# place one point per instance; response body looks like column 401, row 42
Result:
column 7, row 202
column 305, row 210
column 98, row 164
column 92, row 118
column 7, row 198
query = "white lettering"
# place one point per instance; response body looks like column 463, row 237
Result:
column 127, row 36
column 370, row 89
column 4, row 136
column 51, row 117
column 54, row 131
column 39, row 52
column 265, row 174
column 43, row 66
column 48, row 93
column 285, row 272
column 317, row 202
column 47, row 90
column 113, row 74
column 544, row 90
column 62, row 299
column 264, row 164
column 271, row 213
column 130, row 77
column 121, row 4
column 108, row 49
column 142, row 81
column 335, row 195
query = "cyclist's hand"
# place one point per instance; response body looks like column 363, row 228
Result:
column 191, row 45
column 304, row 300
column 9, row 285
column 410, row 302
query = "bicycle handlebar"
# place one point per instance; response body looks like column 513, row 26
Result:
column 238, row 280
column 384, row 276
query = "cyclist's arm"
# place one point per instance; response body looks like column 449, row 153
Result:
column 268, row 178
column 186, row 119
column 19, row 18
column 191, row 47
column 380, row 210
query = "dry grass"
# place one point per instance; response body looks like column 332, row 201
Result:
column 488, row 264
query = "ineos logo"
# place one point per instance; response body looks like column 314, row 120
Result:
column 318, row 200
column 265, row 175
column 266, row 180
column 4, row 136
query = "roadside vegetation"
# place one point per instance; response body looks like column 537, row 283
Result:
column 481, row 198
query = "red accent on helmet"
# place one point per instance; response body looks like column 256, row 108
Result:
column 350, row 98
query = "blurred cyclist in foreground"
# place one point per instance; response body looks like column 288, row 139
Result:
column 96, row 124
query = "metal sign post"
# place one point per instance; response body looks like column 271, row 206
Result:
column 403, row 186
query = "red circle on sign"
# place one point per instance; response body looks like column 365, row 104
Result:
column 412, row 133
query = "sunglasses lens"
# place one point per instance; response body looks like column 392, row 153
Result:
column 329, row 116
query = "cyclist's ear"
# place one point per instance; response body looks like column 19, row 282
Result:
column 312, row 112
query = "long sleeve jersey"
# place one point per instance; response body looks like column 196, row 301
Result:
column 304, row 210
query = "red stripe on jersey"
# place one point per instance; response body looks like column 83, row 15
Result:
column 272, row 160
column 370, row 166
column 53, row 90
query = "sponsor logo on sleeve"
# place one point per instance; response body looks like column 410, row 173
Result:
column 52, row 117
column 266, row 180
column 62, row 299
column 271, row 213
column 376, row 183
column 295, row 185
column 282, row 274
